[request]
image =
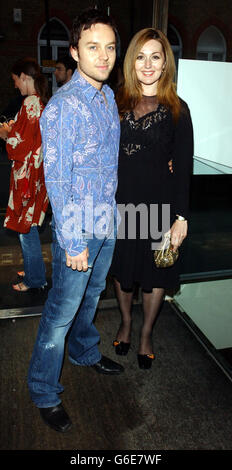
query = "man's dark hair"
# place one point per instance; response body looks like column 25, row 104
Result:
column 85, row 20
column 68, row 62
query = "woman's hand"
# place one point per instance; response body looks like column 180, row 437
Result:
column 5, row 129
column 178, row 233
column 170, row 166
column 79, row 262
column 3, row 133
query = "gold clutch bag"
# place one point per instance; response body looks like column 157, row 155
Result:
column 165, row 256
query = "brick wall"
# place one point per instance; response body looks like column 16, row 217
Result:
column 20, row 40
column 190, row 17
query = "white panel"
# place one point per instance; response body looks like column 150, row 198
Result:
column 206, row 87
column 209, row 306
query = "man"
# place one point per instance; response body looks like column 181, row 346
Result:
column 80, row 134
column 64, row 69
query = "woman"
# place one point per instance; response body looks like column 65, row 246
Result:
column 155, row 128
column 28, row 199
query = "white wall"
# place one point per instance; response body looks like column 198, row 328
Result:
column 207, row 88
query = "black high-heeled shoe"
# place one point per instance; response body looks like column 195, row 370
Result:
column 121, row 348
column 145, row 360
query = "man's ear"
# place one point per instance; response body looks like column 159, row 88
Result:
column 74, row 53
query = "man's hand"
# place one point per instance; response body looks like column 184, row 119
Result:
column 79, row 262
column 178, row 233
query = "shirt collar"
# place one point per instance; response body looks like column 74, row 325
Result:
column 89, row 90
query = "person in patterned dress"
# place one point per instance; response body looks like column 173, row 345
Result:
column 156, row 129
column 28, row 200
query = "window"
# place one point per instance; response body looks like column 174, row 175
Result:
column 59, row 46
column 211, row 45
column 176, row 43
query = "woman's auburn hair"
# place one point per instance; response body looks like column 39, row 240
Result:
column 130, row 93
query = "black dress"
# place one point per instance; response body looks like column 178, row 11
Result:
column 149, row 139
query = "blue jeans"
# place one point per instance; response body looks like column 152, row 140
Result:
column 35, row 273
column 72, row 302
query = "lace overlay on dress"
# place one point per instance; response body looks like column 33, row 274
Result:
column 147, row 112
column 146, row 105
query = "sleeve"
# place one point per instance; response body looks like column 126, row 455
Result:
column 182, row 161
column 25, row 132
column 115, row 126
column 59, row 129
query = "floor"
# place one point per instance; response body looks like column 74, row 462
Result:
column 183, row 403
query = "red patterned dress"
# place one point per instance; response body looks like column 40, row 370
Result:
column 28, row 200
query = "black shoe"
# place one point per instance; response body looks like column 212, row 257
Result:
column 56, row 417
column 145, row 360
column 107, row 366
column 121, row 348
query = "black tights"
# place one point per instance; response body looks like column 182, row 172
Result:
column 152, row 302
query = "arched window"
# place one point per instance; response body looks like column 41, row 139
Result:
column 59, row 46
column 175, row 41
column 211, row 45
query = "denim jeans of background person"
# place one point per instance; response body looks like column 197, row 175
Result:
column 35, row 273
column 80, row 135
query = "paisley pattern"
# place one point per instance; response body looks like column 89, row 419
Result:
column 80, row 133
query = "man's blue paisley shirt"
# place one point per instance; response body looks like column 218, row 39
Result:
column 80, row 140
